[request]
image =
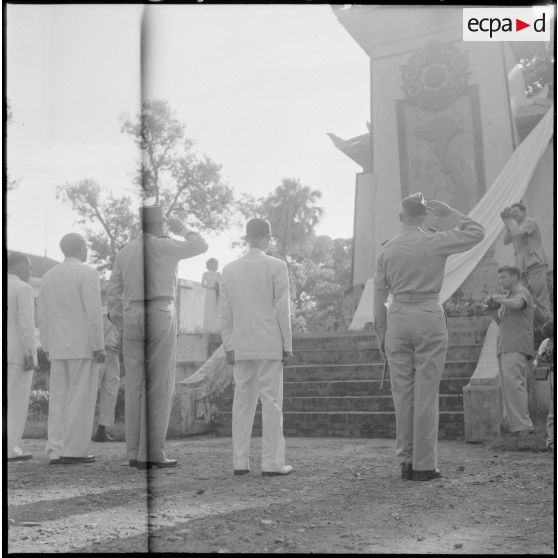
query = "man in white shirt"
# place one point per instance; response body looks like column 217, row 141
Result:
column 71, row 327
column 22, row 354
column 257, row 336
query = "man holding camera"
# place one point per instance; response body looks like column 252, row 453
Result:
column 524, row 233
column 513, row 312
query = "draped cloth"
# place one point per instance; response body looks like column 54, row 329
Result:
column 508, row 187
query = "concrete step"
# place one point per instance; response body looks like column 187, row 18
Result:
column 362, row 371
column 340, row 356
column 350, row 403
column 346, row 424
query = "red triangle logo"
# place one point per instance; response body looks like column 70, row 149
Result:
column 519, row 25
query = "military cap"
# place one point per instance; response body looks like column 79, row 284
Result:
column 414, row 205
column 151, row 213
column 257, row 228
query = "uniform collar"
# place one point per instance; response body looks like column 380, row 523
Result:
column 70, row 259
column 255, row 252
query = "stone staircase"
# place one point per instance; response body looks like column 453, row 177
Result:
column 332, row 386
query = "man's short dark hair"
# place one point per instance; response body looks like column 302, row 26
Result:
column 71, row 244
column 16, row 258
column 257, row 228
column 511, row 270
column 519, row 206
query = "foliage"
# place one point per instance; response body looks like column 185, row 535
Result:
column 537, row 63
column 38, row 404
column 118, row 222
column 292, row 212
column 190, row 187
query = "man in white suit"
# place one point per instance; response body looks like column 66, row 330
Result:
column 256, row 331
column 22, row 354
column 71, row 328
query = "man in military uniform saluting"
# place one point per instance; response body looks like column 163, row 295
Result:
column 412, row 332
column 141, row 296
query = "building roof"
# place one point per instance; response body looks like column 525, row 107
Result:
column 40, row 264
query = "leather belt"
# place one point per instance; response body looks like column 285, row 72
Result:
column 415, row 297
column 154, row 299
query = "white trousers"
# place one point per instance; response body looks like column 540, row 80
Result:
column 109, row 384
column 263, row 379
column 513, row 368
column 71, row 407
column 19, row 388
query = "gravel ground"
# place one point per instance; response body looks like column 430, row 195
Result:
column 345, row 496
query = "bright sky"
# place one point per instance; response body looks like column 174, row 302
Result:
column 258, row 88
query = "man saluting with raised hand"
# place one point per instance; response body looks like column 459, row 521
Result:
column 256, row 331
column 412, row 332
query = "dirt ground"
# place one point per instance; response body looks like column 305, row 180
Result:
column 344, row 496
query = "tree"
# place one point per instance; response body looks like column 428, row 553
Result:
column 190, row 187
column 117, row 222
column 292, row 212
column 537, row 63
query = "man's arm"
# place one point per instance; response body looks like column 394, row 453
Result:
column 91, row 299
column 115, row 291
column 226, row 313
column 281, row 303
column 463, row 237
column 43, row 316
column 381, row 292
column 518, row 230
column 26, row 321
column 516, row 302
column 192, row 245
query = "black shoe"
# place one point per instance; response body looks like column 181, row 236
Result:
column 406, row 471
column 67, row 460
column 241, row 471
column 156, row 464
column 426, row 475
column 21, row 457
column 133, row 463
column 102, row 435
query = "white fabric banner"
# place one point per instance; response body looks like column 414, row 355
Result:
column 508, row 187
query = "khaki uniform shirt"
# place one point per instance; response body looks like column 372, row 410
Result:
column 254, row 307
column 146, row 268
column 527, row 244
column 516, row 326
column 70, row 312
column 20, row 321
column 413, row 262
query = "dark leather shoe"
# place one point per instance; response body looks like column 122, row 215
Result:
column 21, row 457
column 406, row 471
column 56, row 461
column 133, row 463
column 156, row 464
column 241, row 471
column 426, row 475
column 103, row 437
column 68, row 460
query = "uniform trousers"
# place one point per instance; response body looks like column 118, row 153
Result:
column 416, row 344
column 149, row 345
column 536, row 277
column 109, row 384
column 71, row 406
column 261, row 379
column 512, row 368
column 19, row 388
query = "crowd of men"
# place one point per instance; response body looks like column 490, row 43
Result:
column 256, row 332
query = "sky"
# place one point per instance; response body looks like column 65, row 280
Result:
column 258, row 87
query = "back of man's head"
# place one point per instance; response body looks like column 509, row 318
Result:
column 519, row 206
column 72, row 245
column 413, row 209
column 15, row 259
column 257, row 229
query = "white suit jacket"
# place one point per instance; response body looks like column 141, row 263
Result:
column 20, row 321
column 70, row 313
column 254, row 307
